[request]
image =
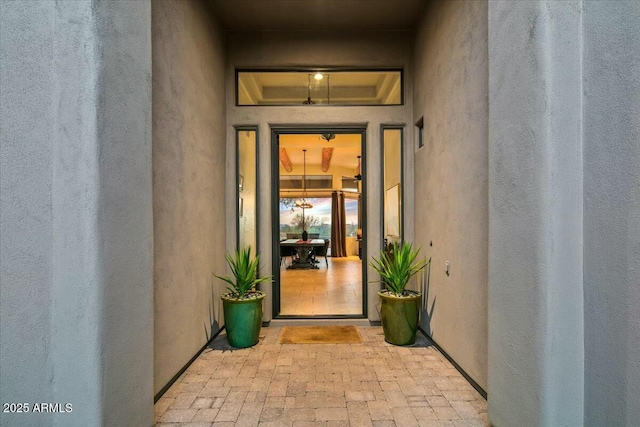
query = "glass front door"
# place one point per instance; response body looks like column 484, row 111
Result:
column 318, row 224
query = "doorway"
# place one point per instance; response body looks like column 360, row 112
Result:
column 319, row 222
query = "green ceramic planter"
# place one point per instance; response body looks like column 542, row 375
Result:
column 242, row 320
column 400, row 316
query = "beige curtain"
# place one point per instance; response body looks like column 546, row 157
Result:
column 338, row 226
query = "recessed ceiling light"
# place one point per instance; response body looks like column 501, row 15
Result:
column 318, row 76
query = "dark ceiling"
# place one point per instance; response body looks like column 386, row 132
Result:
column 318, row 15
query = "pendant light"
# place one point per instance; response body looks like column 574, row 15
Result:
column 309, row 101
column 303, row 203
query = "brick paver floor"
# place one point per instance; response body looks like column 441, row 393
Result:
column 298, row 385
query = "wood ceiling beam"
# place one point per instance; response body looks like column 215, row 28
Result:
column 284, row 159
column 327, row 152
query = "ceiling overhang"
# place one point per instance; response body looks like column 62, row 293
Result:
column 317, row 15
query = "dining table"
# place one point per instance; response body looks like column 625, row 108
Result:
column 304, row 250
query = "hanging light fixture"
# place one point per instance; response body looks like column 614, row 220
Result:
column 309, row 101
column 303, row 203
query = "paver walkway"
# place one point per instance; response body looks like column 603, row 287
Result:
column 298, row 385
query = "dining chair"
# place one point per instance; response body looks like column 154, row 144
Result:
column 322, row 251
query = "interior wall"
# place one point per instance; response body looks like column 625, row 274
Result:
column 337, row 172
column 305, row 49
column 189, row 137
column 611, row 34
column 451, row 191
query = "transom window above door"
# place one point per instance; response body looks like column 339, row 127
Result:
column 319, row 87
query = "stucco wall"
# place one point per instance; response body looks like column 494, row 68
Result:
column 26, row 164
column 612, row 212
column 305, row 49
column 124, row 256
column 76, row 211
column 451, row 177
column 188, row 181
column 536, row 328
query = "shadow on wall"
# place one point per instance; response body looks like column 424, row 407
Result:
column 424, row 288
column 214, row 307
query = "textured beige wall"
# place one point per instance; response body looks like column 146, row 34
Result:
column 188, row 181
column 451, row 193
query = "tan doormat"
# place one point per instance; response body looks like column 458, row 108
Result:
column 319, row 335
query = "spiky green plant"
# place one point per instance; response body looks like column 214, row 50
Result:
column 245, row 273
column 396, row 265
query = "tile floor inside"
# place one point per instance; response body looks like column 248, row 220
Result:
column 298, row 385
column 335, row 288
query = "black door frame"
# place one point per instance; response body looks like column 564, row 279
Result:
column 276, row 131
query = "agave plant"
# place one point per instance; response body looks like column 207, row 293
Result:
column 396, row 265
column 245, row 273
